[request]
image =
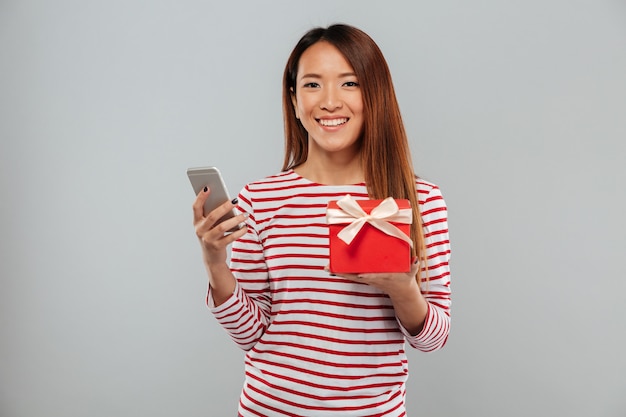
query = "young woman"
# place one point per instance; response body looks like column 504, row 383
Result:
column 319, row 344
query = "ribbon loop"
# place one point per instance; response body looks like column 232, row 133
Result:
column 380, row 217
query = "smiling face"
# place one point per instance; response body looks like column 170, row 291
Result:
column 328, row 101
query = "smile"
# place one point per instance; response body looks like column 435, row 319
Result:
column 333, row 122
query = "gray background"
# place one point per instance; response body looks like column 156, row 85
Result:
column 517, row 109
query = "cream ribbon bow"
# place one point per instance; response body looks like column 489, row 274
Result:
column 380, row 217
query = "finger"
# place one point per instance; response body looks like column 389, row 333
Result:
column 210, row 229
column 223, row 212
column 351, row 277
column 198, row 204
column 217, row 239
column 232, row 224
column 231, row 237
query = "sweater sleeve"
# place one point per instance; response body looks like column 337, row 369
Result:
column 245, row 315
column 437, row 289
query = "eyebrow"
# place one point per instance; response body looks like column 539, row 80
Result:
column 342, row 75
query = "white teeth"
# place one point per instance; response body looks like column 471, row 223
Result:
column 333, row 122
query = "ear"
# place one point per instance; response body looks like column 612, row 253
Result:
column 294, row 102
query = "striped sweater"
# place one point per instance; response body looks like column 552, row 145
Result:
column 319, row 345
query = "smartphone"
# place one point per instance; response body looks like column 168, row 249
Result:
column 211, row 177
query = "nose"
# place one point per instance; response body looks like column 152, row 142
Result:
column 331, row 99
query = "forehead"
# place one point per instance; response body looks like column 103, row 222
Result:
column 323, row 58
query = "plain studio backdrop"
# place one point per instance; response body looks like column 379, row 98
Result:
column 516, row 109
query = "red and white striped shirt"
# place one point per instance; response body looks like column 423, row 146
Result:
column 319, row 345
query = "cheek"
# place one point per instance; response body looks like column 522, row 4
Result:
column 300, row 109
column 358, row 106
column 294, row 104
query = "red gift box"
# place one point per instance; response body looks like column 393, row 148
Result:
column 369, row 235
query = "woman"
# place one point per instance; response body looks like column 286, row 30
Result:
column 319, row 344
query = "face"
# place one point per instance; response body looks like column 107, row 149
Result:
column 328, row 100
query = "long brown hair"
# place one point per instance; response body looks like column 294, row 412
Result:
column 385, row 151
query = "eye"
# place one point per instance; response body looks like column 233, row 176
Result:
column 351, row 84
column 311, row 85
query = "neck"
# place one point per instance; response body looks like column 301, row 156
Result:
column 333, row 171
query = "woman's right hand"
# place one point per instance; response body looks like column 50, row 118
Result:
column 212, row 235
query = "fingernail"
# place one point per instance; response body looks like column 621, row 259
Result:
column 235, row 200
column 206, row 189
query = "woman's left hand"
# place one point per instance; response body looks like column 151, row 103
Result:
column 393, row 284
column 404, row 291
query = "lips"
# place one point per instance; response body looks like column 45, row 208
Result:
column 333, row 122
